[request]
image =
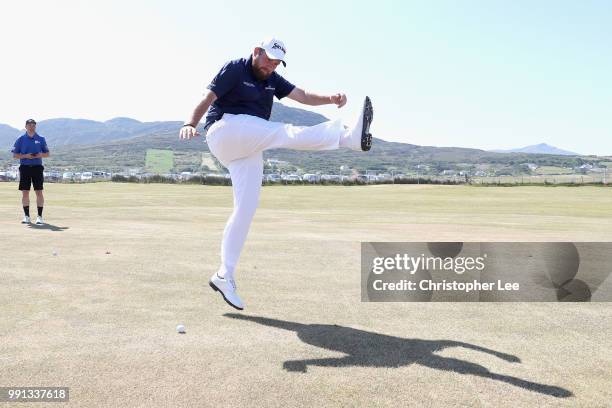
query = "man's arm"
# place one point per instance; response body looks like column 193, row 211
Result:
column 45, row 150
column 312, row 99
column 22, row 156
column 189, row 129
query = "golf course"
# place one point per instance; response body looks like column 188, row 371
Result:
column 92, row 299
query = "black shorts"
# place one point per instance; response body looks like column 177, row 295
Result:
column 29, row 175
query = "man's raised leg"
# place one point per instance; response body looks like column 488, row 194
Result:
column 239, row 136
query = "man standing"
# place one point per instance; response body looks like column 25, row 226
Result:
column 30, row 148
column 238, row 131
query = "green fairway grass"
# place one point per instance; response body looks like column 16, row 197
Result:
column 159, row 161
column 91, row 301
column 553, row 170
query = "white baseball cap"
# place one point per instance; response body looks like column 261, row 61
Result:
column 274, row 48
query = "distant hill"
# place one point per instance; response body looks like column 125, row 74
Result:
column 295, row 116
column 66, row 131
column 541, row 148
column 59, row 132
column 385, row 156
column 122, row 143
column 7, row 136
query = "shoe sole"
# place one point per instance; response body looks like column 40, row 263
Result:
column 368, row 115
column 216, row 289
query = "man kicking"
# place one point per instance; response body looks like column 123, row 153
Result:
column 30, row 148
column 238, row 130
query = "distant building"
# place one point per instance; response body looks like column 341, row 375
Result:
column 291, row 177
column 331, row 177
column 311, row 178
column 276, row 162
column 531, row 166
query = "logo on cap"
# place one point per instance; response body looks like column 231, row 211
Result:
column 278, row 46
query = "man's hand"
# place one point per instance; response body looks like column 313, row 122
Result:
column 34, row 156
column 338, row 99
column 27, row 156
column 187, row 132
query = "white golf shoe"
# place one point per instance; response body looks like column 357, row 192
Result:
column 39, row 220
column 26, row 220
column 359, row 136
column 227, row 288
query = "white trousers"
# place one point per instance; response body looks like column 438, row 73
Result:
column 238, row 141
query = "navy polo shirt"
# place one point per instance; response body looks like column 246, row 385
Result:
column 239, row 92
column 30, row 145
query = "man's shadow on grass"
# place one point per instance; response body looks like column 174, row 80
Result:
column 49, row 227
column 368, row 349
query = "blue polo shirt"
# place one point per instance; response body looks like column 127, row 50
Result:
column 30, row 145
column 239, row 92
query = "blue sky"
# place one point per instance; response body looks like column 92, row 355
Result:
column 484, row 74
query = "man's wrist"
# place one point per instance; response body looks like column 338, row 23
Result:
column 189, row 124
